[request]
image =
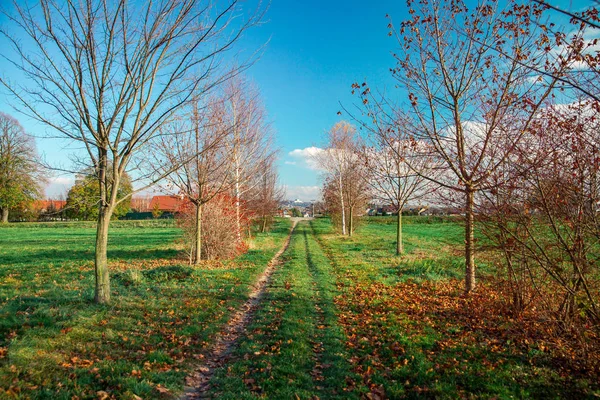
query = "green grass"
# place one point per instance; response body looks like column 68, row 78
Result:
column 413, row 219
column 432, row 250
column 341, row 318
column 56, row 243
column 56, row 344
column 294, row 348
column 415, row 335
column 116, row 224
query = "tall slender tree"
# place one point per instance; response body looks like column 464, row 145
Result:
column 267, row 194
column 345, row 178
column 107, row 74
column 197, row 143
column 249, row 142
column 472, row 95
column 21, row 176
column 392, row 177
column 399, row 167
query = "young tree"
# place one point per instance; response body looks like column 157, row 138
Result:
column 266, row 196
column 21, row 177
column 398, row 166
column 108, row 73
column 198, row 145
column 345, row 179
column 219, row 237
column 248, row 143
column 471, row 93
column 356, row 191
column 390, row 175
column 141, row 204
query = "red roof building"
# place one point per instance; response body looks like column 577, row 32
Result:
column 166, row 203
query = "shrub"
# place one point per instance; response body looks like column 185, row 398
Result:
column 220, row 239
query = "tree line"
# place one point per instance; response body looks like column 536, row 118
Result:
column 496, row 111
column 147, row 91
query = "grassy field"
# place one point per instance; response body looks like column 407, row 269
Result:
column 56, row 344
column 413, row 333
column 341, row 318
column 345, row 318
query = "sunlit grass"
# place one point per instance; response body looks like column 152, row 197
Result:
column 58, row 344
column 294, row 347
column 414, row 333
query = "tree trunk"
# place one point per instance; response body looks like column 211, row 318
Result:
column 102, row 294
column 5, row 215
column 264, row 224
column 198, row 239
column 342, row 206
column 351, row 221
column 469, row 244
column 238, row 216
column 399, row 244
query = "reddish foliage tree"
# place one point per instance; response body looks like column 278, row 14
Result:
column 545, row 219
column 219, row 235
column 468, row 75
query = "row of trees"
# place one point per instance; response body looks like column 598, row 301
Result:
column 384, row 167
column 22, row 178
column 223, row 146
column 501, row 118
column 113, row 76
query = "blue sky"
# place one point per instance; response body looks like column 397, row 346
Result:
column 315, row 51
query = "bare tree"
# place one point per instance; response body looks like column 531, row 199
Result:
column 21, row 176
column 356, row 192
column 249, row 142
column 399, row 168
column 267, row 194
column 141, row 203
column 108, row 73
column 391, row 161
column 471, row 93
column 344, row 171
column 196, row 143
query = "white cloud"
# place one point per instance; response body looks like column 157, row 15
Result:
column 306, row 157
column 59, row 186
column 304, row 193
column 62, row 180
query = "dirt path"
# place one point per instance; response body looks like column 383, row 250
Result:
column 198, row 382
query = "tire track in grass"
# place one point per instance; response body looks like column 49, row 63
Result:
column 332, row 369
column 290, row 350
column 274, row 358
column 317, row 340
column 198, row 382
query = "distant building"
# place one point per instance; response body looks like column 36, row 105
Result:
column 141, row 203
column 170, row 204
